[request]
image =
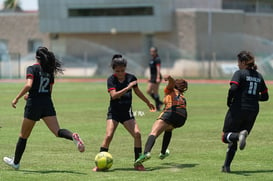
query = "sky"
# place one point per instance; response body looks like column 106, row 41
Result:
column 26, row 5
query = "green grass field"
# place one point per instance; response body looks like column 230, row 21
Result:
column 197, row 152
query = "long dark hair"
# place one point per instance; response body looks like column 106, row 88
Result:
column 248, row 58
column 49, row 63
column 118, row 60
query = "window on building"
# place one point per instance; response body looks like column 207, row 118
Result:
column 33, row 44
column 3, row 49
column 113, row 11
column 255, row 6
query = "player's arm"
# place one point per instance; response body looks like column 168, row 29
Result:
column 158, row 72
column 171, row 82
column 23, row 91
column 117, row 94
column 231, row 92
column 264, row 96
column 139, row 93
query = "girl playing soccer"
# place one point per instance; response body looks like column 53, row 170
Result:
column 120, row 86
column 247, row 88
column 173, row 116
column 39, row 105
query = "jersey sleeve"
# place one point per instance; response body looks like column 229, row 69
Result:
column 110, row 84
column 167, row 91
column 30, row 72
column 133, row 78
column 264, row 89
column 157, row 61
column 236, row 78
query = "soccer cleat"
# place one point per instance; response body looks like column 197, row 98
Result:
column 143, row 158
column 139, row 167
column 226, row 169
column 242, row 139
column 162, row 156
column 77, row 140
column 9, row 161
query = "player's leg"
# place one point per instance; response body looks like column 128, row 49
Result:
column 53, row 125
column 132, row 127
column 156, row 97
column 232, row 148
column 26, row 128
column 158, row 127
column 165, row 143
column 111, row 126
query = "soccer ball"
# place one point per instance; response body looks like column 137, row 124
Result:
column 104, row 160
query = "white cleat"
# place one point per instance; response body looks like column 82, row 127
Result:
column 9, row 162
column 78, row 141
column 242, row 139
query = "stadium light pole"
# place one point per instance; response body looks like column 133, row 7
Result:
column 209, row 40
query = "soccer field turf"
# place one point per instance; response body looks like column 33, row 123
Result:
column 197, row 152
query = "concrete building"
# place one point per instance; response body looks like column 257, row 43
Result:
column 89, row 32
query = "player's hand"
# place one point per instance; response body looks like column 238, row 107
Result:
column 158, row 80
column 26, row 96
column 151, row 106
column 166, row 77
column 14, row 102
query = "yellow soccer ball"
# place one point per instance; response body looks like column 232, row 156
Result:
column 104, row 160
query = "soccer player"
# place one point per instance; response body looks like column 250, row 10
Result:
column 247, row 88
column 155, row 77
column 120, row 86
column 39, row 105
column 173, row 116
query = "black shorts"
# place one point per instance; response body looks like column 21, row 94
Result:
column 237, row 120
column 120, row 116
column 35, row 111
column 153, row 79
column 174, row 118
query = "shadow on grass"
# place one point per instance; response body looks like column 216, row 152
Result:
column 250, row 172
column 173, row 165
column 160, row 167
column 50, row 171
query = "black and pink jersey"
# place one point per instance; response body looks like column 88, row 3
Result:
column 124, row 103
column 250, row 86
column 41, row 81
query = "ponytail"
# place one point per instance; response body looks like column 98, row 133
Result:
column 248, row 58
column 48, row 61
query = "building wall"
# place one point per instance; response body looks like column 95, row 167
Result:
column 231, row 31
column 55, row 17
column 18, row 29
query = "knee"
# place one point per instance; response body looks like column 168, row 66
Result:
column 137, row 135
column 224, row 138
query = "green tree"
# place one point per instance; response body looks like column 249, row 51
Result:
column 13, row 5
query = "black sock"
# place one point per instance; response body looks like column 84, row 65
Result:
column 166, row 140
column 103, row 149
column 64, row 133
column 137, row 152
column 20, row 148
column 149, row 144
column 152, row 95
column 232, row 148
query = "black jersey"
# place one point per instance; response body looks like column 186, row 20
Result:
column 125, row 101
column 250, row 85
column 153, row 63
column 41, row 81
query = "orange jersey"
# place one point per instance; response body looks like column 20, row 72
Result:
column 173, row 99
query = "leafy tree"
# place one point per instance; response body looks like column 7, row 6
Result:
column 13, row 5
